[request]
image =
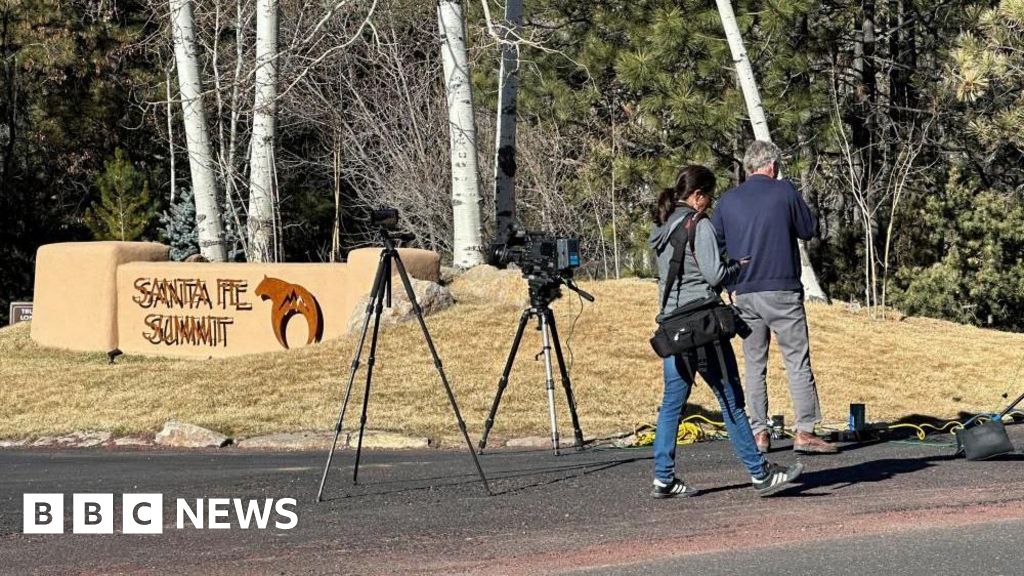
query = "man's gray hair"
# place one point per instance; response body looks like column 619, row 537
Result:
column 760, row 155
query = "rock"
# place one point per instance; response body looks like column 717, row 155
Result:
column 625, row 442
column 294, row 441
column 448, row 275
column 83, row 439
column 388, row 440
column 133, row 441
column 44, row 441
column 538, row 442
column 493, row 287
column 13, row 443
column 184, row 435
column 432, row 297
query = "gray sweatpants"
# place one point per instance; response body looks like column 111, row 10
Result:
column 783, row 314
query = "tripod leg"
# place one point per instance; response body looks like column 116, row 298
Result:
column 374, row 291
column 566, row 382
column 545, row 329
column 437, row 360
column 503, row 382
column 370, row 361
column 1012, row 406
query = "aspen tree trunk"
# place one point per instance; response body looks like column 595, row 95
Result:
column 200, row 158
column 752, row 95
column 505, row 139
column 170, row 139
column 260, row 223
column 466, row 244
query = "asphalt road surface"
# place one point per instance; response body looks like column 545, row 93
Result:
column 877, row 508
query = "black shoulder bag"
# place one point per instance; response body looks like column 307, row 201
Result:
column 696, row 324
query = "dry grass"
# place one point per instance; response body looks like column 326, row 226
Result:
column 914, row 366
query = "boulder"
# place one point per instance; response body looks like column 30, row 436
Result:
column 183, row 435
column 388, row 440
column 133, row 441
column 539, row 442
column 432, row 298
column 84, row 439
column 492, row 287
column 294, row 441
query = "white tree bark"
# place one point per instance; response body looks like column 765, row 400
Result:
column 748, row 82
column 170, row 138
column 505, row 138
column 261, row 219
column 466, row 241
column 200, row 158
column 752, row 95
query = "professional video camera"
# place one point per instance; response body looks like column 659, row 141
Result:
column 547, row 262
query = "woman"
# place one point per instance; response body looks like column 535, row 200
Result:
column 702, row 274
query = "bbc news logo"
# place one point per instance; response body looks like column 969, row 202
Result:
column 144, row 513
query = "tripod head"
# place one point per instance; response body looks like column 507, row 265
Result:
column 545, row 290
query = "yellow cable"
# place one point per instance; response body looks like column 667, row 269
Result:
column 952, row 425
column 921, row 434
column 689, row 433
column 699, row 417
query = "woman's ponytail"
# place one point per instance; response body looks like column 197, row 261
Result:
column 690, row 179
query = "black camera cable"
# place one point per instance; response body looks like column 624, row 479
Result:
column 572, row 330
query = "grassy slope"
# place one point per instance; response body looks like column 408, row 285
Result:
column 896, row 367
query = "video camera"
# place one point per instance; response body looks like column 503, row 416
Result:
column 386, row 218
column 547, row 262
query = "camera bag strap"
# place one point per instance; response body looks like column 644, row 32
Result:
column 702, row 362
column 684, row 235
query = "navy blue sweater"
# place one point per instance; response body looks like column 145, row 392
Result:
column 763, row 218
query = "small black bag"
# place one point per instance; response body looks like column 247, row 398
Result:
column 688, row 328
column 983, row 441
column 698, row 323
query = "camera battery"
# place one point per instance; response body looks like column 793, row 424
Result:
column 568, row 253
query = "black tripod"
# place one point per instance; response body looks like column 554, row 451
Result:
column 380, row 295
column 541, row 296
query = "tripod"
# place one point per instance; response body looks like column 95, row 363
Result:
column 540, row 300
column 380, row 295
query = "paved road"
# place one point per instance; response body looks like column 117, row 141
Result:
column 992, row 548
column 426, row 513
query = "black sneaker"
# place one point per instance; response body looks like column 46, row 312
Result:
column 776, row 478
column 675, row 488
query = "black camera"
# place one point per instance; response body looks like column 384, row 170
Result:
column 537, row 254
column 386, row 218
column 547, row 261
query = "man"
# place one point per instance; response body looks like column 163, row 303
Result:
column 763, row 219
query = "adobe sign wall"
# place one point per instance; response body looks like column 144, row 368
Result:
column 213, row 310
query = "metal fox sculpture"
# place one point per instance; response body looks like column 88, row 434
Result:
column 288, row 300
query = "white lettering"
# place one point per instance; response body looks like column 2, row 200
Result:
column 281, row 509
column 218, row 508
column 196, row 517
column 252, row 510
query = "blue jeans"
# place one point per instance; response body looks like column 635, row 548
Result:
column 678, row 382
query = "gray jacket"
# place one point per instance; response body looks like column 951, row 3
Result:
column 698, row 280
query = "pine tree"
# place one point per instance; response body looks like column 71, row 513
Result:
column 989, row 69
column 178, row 227
column 124, row 210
